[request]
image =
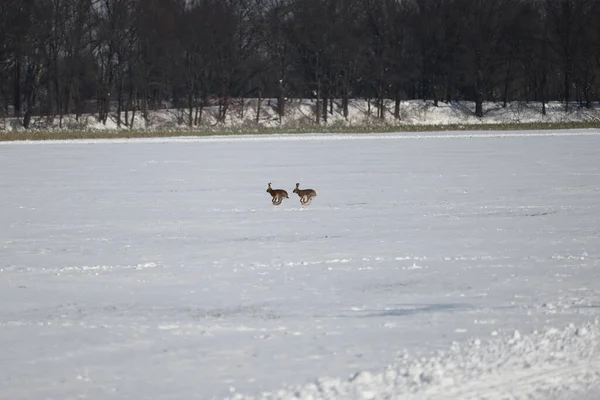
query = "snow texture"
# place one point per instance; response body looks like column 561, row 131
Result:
column 540, row 365
column 467, row 263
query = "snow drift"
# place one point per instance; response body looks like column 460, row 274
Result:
column 553, row 363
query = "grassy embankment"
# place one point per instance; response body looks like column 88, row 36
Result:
column 128, row 134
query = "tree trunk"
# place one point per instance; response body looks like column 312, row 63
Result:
column 119, row 102
column 190, row 101
column 258, row 106
column 379, row 100
column 435, row 90
column 447, row 90
column 318, row 105
column 479, row 106
column 586, row 94
column 507, row 82
column 17, row 87
column 567, row 84
column 544, row 74
column 58, row 98
column 397, row 103
column 345, row 102
column 543, row 105
column 280, row 104
column 145, row 104
column 281, row 90
column 381, row 103
column 32, row 80
column 30, row 100
column 199, row 110
column 130, row 107
column 479, row 94
column 324, row 108
column 223, row 107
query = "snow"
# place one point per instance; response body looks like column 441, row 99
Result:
column 442, row 265
column 541, row 365
column 242, row 115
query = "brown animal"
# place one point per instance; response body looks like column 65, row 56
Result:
column 305, row 195
column 277, row 194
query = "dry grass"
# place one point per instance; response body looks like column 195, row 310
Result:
column 128, row 134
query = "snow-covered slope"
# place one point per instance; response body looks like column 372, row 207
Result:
column 159, row 268
column 242, row 116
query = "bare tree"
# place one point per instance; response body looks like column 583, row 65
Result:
column 75, row 56
column 276, row 42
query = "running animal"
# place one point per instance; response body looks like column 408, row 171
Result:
column 305, row 195
column 277, row 194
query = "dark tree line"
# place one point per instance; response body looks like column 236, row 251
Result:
column 127, row 57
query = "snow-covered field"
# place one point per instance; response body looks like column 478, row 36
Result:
column 442, row 266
